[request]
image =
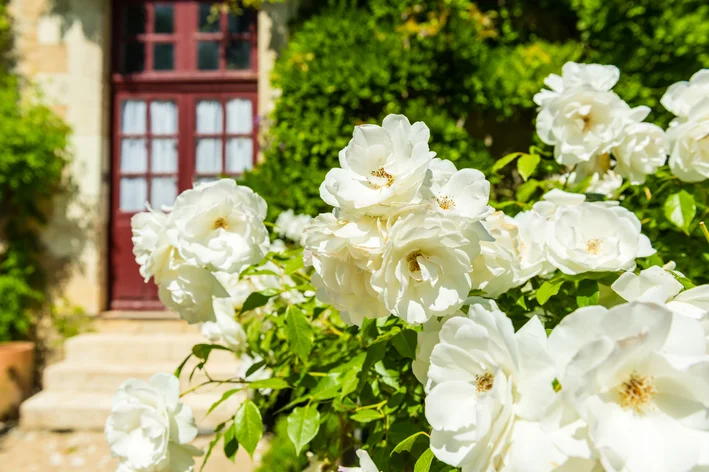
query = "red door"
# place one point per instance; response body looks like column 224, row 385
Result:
column 184, row 111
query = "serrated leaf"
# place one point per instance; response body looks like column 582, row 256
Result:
column 423, row 464
column 527, row 164
column 407, row 444
column 249, row 426
column 303, row 425
column 405, row 343
column 328, row 387
column 272, row 383
column 548, row 289
column 299, row 332
column 258, row 299
column 231, row 444
column 365, row 416
column 225, row 396
column 680, row 209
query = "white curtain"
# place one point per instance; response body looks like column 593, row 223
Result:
column 209, row 117
column 239, row 117
column 239, row 155
column 134, row 194
column 133, row 114
column 134, row 155
column 163, row 117
column 163, row 192
column 163, row 155
column 209, row 156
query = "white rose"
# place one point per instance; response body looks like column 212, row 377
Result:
column 225, row 329
column 382, row 167
column 292, row 226
column 152, row 247
column 366, row 464
column 531, row 245
column 220, row 226
column 149, row 428
column 581, row 117
column 440, row 172
column 689, row 141
column 189, row 291
column 595, row 237
column 644, row 404
column 492, row 386
column 682, row 96
column 642, row 152
column 465, row 194
column 496, row 268
column 425, row 268
column 344, row 253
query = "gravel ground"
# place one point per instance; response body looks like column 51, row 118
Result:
column 41, row 451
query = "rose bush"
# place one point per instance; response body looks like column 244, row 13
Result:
column 419, row 329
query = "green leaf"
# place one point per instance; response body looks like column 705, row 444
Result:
column 548, row 289
column 178, row 371
column 587, row 293
column 408, row 443
column 249, row 426
column 527, row 164
column 423, row 464
column 231, row 444
column 210, row 448
column 375, row 353
column 225, row 396
column 365, row 416
column 258, row 299
column 526, row 190
column 202, row 351
column 680, row 210
column 299, row 332
column 273, row 383
column 503, row 161
column 328, row 387
column 405, row 343
column 303, row 426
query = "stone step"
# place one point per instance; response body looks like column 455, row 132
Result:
column 94, row 377
column 135, row 349
column 84, row 411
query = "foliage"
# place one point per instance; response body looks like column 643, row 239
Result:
column 32, row 161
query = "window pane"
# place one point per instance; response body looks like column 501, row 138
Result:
column 163, row 19
column 208, row 23
column 134, row 194
column 133, row 117
column 210, row 117
column 239, row 117
column 208, row 55
column 134, row 155
column 163, row 117
column 238, row 55
column 163, row 155
column 203, row 180
column 240, row 23
column 163, row 192
column 134, row 57
column 239, row 155
column 209, row 156
column 134, row 19
column 163, row 56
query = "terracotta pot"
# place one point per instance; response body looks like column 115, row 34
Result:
column 16, row 374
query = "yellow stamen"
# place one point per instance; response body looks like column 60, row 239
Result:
column 220, row 223
column 382, row 174
column 593, row 246
column 484, row 382
column 445, row 202
column 413, row 261
column 637, row 393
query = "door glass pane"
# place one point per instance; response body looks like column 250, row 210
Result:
column 239, row 155
column 134, row 156
column 163, row 192
column 133, row 114
column 239, row 23
column 208, row 55
column 203, row 180
column 134, row 194
column 239, row 117
column 163, row 56
column 164, row 19
column 134, row 57
column 134, row 19
column 163, row 117
column 209, row 156
column 238, row 55
column 208, row 23
column 163, row 156
column 210, row 117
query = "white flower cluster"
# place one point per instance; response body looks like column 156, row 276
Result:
column 292, row 226
column 405, row 229
column 149, row 428
column 563, row 231
column 586, row 122
column 214, row 230
column 688, row 133
column 625, row 389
